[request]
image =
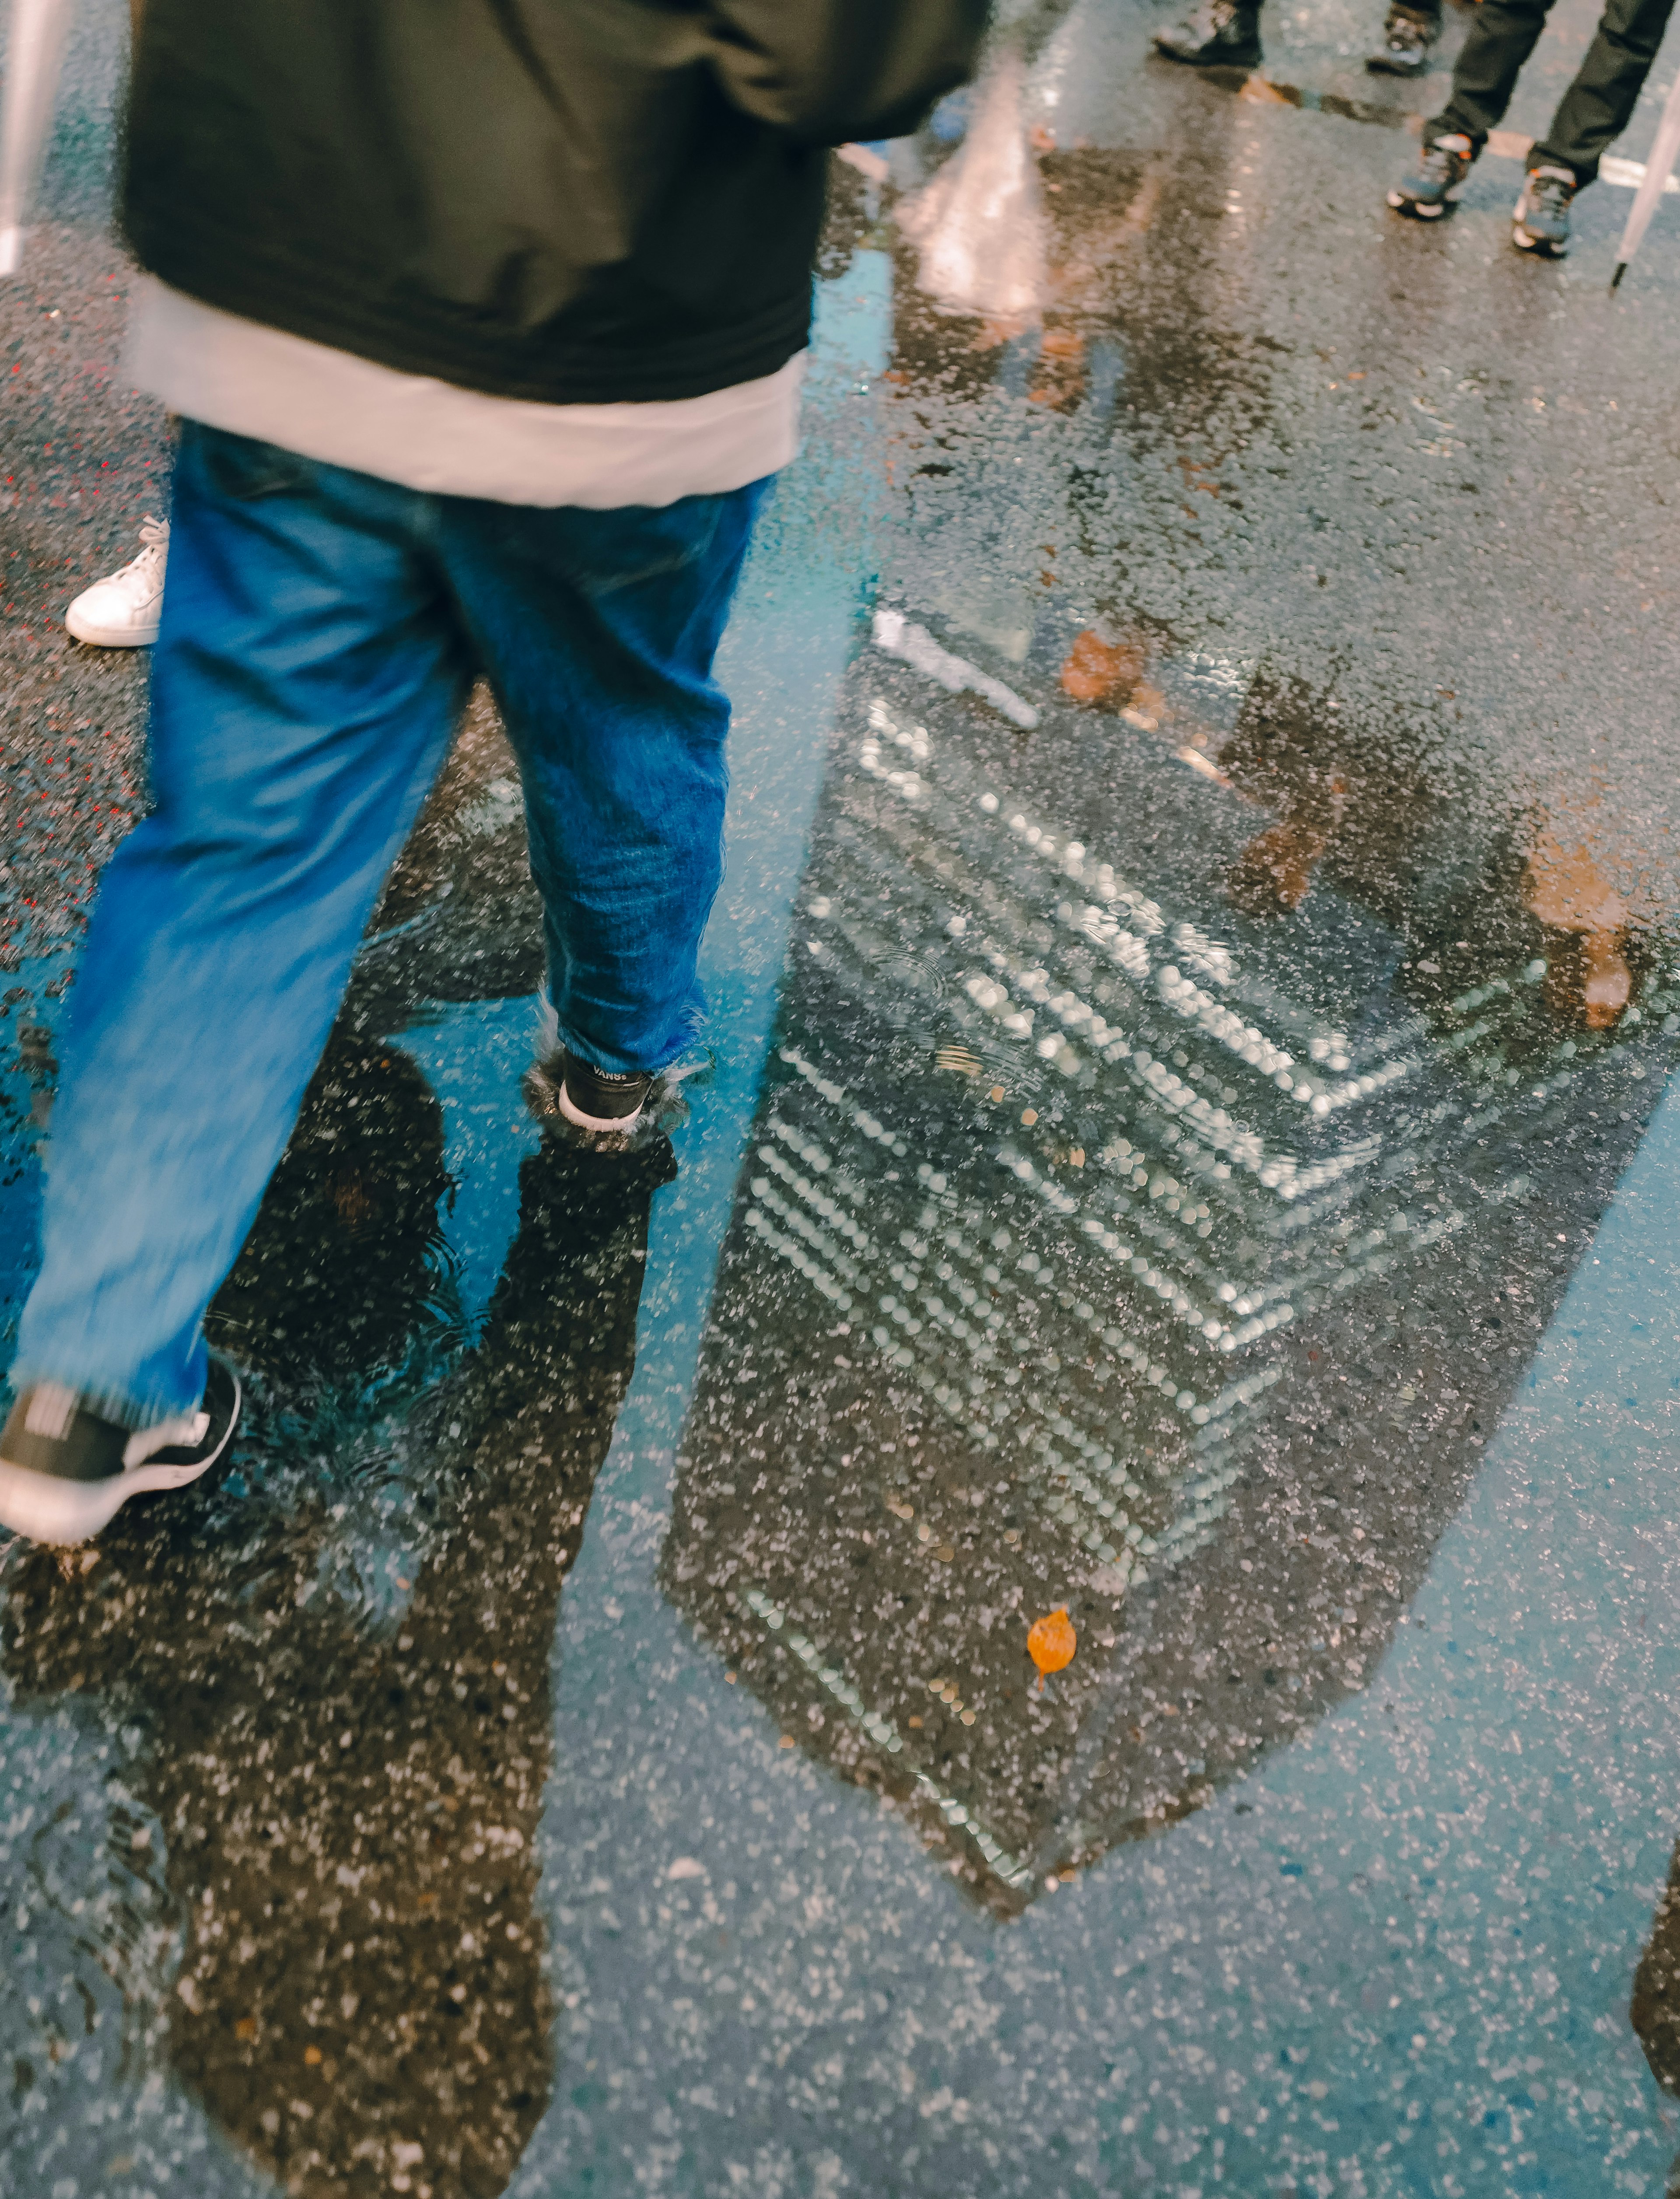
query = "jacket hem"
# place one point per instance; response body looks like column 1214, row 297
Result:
column 414, row 338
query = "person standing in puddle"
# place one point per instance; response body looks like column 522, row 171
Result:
column 476, row 374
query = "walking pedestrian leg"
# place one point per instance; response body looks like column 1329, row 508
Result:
column 597, row 630
column 305, row 688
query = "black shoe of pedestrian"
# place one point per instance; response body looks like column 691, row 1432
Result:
column 601, row 1098
column 65, row 1473
column 1540, row 225
column 1215, row 34
column 1428, row 192
column 1408, row 38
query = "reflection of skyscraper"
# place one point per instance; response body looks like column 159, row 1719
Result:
column 1099, row 1247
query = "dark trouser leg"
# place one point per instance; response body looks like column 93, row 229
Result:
column 1599, row 105
column 1490, row 62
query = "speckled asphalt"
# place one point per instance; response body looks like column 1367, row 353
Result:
column 1186, row 1144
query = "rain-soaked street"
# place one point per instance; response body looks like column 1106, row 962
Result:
column 1186, row 1149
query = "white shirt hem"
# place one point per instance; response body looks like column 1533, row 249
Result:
column 343, row 410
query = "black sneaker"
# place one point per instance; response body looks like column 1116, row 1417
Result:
column 1540, row 225
column 1427, row 193
column 1408, row 38
column 1217, row 33
column 65, row 1473
column 601, row 1098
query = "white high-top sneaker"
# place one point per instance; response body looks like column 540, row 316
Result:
column 122, row 610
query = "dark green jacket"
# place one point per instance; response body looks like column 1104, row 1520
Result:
column 575, row 200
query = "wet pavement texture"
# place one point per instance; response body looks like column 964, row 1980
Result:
column 1185, row 1150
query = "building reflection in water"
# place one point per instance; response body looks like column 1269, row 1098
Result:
column 1178, row 1132
column 1106, row 1243
column 348, row 1769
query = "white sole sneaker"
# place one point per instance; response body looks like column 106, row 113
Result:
column 572, row 1113
column 63, row 1510
column 1541, row 246
column 1420, row 209
column 111, row 637
column 126, row 609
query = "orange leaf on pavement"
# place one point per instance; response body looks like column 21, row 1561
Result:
column 1051, row 1642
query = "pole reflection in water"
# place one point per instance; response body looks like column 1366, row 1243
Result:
column 347, row 1768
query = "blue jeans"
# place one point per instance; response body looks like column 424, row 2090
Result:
column 320, row 630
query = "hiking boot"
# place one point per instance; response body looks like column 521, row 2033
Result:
column 1408, row 41
column 1215, row 33
column 601, row 1098
column 65, row 1473
column 122, row 611
column 1541, row 224
column 1427, row 193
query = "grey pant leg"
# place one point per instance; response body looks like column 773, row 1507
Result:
column 1490, row 62
column 1599, row 105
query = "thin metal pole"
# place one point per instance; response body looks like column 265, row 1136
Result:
column 1658, row 169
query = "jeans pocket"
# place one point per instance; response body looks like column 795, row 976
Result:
column 240, row 467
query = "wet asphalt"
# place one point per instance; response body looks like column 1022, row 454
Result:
column 1185, row 1150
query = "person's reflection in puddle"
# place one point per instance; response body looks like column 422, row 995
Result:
column 348, row 1794
column 1287, row 752
column 1654, row 2007
column 1348, row 795
column 1128, row 349
column 1588, row 970
column 345, row 1272
column 1363, row 809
